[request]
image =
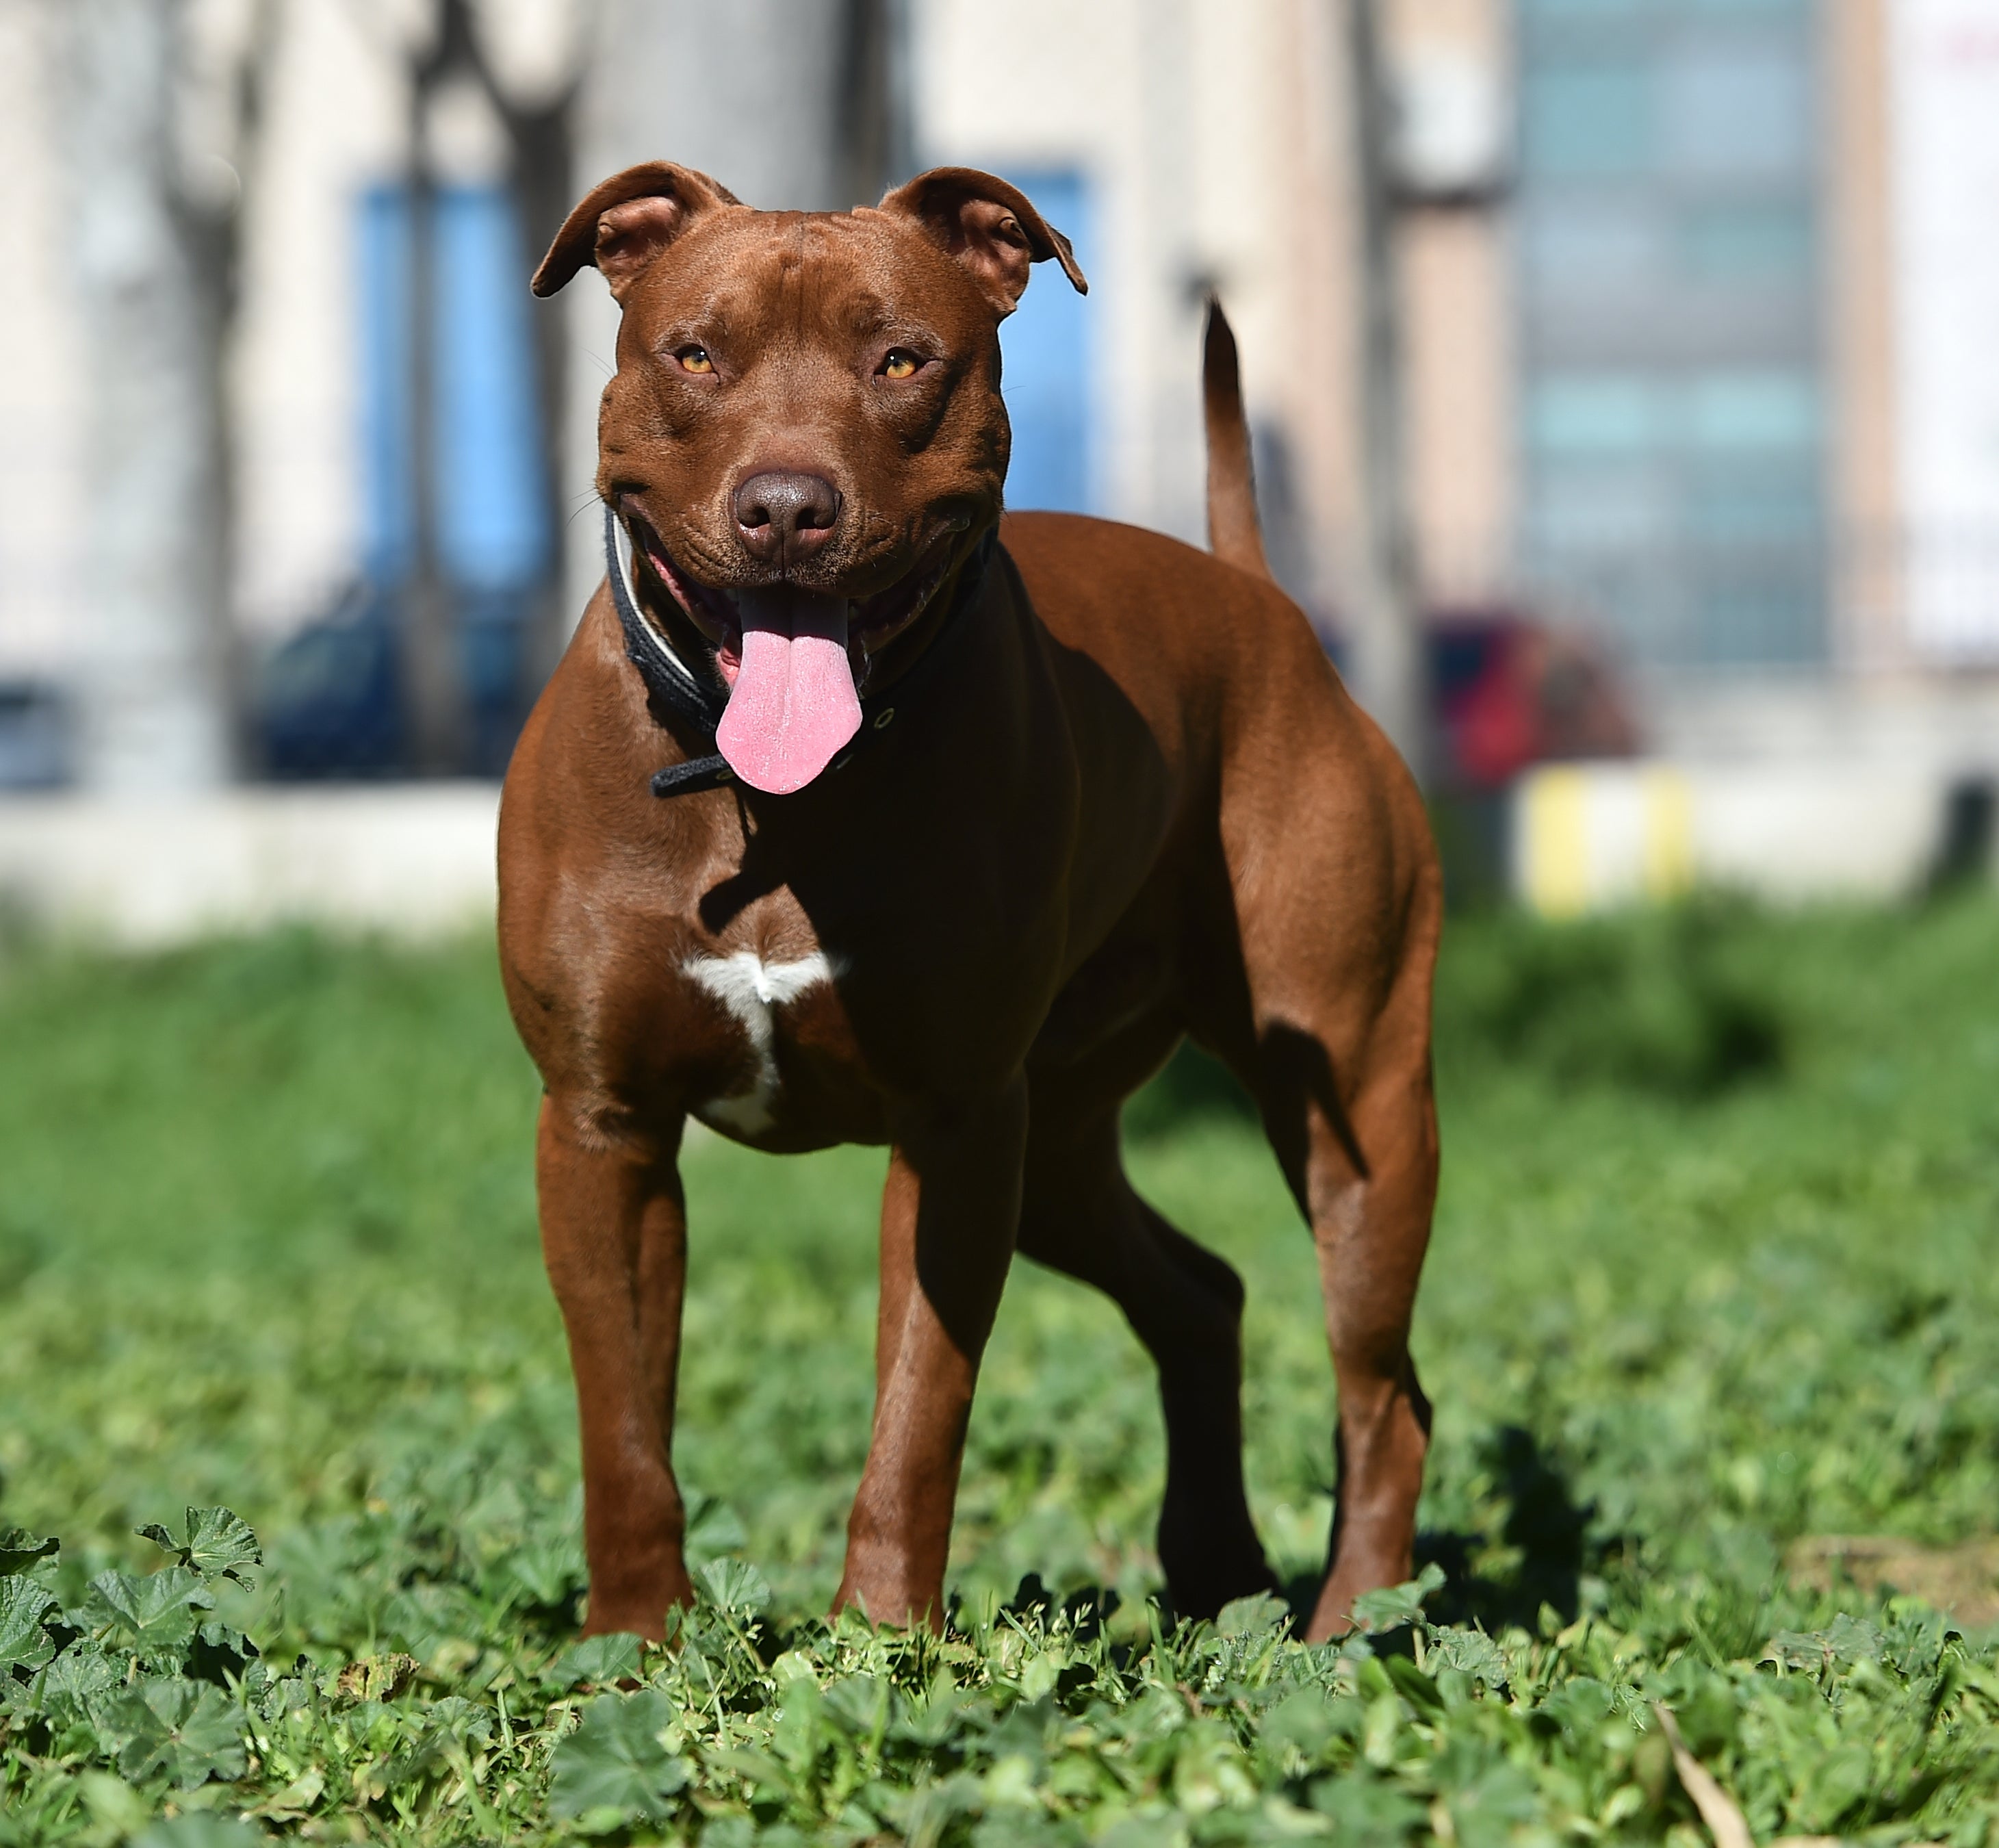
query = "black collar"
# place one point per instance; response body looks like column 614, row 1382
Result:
column 699, row 699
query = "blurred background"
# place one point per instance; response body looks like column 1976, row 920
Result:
column 1624, row 376
column 1626, row 412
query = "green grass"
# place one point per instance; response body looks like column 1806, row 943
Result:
column 1713, row 1271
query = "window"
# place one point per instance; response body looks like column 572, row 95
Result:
column 1591, row 249
column 492, row 535
column 1746, row 245
column 1750, row 8
column 1587, row 120
column 1757, row 501
column 1758, row 616
column 1603, row 413
column 1737, row 112
column 1671, row 420
column 1565, row 11
column 1752, row 409
column 489, row 448
column 1044, row 361
column 492, row 523
column 1609, row 506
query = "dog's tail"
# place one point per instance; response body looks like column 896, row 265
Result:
column 1234, row 535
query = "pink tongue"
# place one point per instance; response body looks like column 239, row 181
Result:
column 793, row 706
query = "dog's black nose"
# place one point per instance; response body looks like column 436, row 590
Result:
column 782, row 518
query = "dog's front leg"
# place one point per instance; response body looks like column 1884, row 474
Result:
column 614, row 1235
column 949, row 1214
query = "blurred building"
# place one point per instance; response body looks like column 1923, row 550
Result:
column 1697, row 301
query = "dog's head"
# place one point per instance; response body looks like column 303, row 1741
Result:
column 804, row 434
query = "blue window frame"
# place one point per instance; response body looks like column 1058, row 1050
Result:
column 493, row 538
column 1045, row 348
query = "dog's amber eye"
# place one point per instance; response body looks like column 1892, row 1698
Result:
column 901, row 363
column 695, row 359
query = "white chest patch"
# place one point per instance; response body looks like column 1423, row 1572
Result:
column 753, row 990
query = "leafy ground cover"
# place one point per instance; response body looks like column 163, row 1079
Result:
column 1713, row 1292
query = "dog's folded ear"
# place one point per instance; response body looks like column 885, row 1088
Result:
column 624, row 224
column 988, row 226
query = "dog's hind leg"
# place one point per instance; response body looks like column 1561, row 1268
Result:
column 1079, row 1215
column 1340, row 1066
column 1367, row 1175
column 1355, row 1129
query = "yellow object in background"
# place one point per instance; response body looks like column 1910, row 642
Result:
column 1589, row 836
column 1554, row 856
column 1668, row 838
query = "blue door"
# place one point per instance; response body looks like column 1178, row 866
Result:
column 492, row 523
column 1044, row 355
column 493, row 539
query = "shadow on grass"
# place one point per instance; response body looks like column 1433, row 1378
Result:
column 1539, row 1558
column 1535, row 1558
column 1674, row 1002
column 1535, row 1561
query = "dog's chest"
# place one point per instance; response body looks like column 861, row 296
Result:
column 777, row 1003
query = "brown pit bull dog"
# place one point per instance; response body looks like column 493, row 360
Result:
column 853, row 813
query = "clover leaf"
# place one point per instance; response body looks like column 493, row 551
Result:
column 219, row 1544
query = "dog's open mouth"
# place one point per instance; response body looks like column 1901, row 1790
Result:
column 794, row 659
